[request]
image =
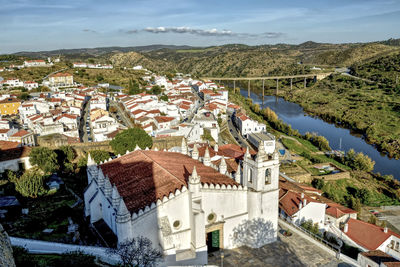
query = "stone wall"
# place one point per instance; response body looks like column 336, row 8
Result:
column 6, row 256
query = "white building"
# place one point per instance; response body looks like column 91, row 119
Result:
column 184, row 206
column 30, row 85
column 247, row 125
column 35, row 63
column 266, row 138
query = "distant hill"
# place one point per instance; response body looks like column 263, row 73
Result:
column 99, row 51
column 232, row 59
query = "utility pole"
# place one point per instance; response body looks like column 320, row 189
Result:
column 305, row 82
column 291, row 84
column 234, row 86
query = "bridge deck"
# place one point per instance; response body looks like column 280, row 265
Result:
column 263, row 78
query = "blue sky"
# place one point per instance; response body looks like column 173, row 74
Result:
column 34, row 25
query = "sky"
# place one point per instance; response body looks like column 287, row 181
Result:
column 39, row 25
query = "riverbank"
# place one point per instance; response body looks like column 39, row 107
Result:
column 370, row 110
column 369, row 188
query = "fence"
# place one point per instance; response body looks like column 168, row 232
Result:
column 44, row 247
column 318, row 241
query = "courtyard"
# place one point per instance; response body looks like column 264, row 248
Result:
column 287, row 251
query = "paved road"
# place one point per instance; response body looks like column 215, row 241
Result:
column 82, row 129
column 122, row 114
column 45, row 77
column 235, row 133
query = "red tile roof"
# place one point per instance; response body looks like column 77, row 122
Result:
column 5, row 145
column 336, row 210
column 143, row 177
column 367, row 235
column 14, row 153
column 161, row 119
column 233, row 151
column 61, row 74
column 20, row 133
column 381, row 257
column 290, row 201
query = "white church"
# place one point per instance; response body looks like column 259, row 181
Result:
column 184, row 204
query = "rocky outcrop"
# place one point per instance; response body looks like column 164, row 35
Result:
column 6, row 255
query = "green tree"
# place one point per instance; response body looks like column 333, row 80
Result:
column 164, row 98
column 133, row 87
column 30, row 184
column 128, row 139
column 24, row 96
column 363, row 162
column 372, row 219
column 44, row 158
column 68, row 153
column 155, row 90
column 256, row 108
column 99, row 155
column 364, row 195
column 318, row 183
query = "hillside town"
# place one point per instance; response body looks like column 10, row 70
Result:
column 209, row 180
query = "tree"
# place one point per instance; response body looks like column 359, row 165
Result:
column 128, row 139
column 24, row 96
column 133, row 87
column 138, row 252
column 164, row 98
column 318, row 183
column 372, row 219
column 44, row 158
column 155, row 90
column 99, row 155
column 30, row 184
column 256, row 108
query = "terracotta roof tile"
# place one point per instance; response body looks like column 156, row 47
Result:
column 367, row 235
column 143, row 177
column 20, row 133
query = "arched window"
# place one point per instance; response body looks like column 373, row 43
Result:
column 250, row 176
column 267, row 176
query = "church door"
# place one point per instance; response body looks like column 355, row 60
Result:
column 213, row 242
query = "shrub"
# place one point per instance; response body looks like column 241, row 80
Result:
column 128, row 139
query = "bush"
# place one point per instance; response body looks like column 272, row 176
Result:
column 99, row 155
column 30, row 184
column 318, row 183
column 128, row 139
column 44, row 158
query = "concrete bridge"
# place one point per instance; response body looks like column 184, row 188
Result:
column 313, row 76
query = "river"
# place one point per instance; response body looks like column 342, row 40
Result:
column 293, row 114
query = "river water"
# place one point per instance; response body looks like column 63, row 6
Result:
column 293, row 114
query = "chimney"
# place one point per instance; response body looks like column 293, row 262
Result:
column 300, row 205
column 302, row 195
column 304, row 202
column 346, row 228
column 385, row 230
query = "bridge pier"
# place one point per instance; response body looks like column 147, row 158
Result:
column 277, row 87
column 291, row 84
column 305, row 82
column 263, row 89
column 248, row 90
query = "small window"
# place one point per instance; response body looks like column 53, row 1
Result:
column 267, row 176
column 211, row 217
column 250, row 176
column 177, row 224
